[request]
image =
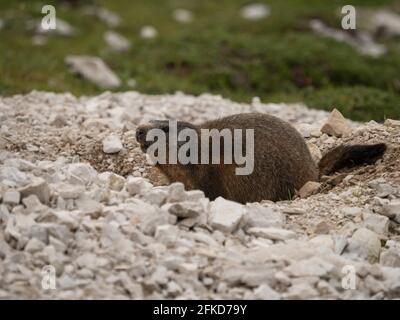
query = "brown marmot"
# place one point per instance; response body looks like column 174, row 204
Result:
column 282, row 160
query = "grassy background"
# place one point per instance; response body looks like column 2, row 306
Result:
column 278, row 59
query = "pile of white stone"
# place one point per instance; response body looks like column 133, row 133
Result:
column 102, row 235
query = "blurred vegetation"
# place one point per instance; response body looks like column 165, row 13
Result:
column 278, row 58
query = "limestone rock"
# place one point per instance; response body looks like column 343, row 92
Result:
column 376, row 223
column 272, row 233
column 390, row 258
column 93, row 69
column 38, row 187
column 13, row 177
column 336, row 125
column 310, row 188
column 116, row 41
column 112, row 144
column 262, row 216
column 225, row 215
column 148, row 32
column 392, row 123
column 182, row 15
column 391, row 209
column 137, row 185
column 265, row 292
column 309, row 267
column 255, row 11
column 80, row 173
column 167, row 234
column 12, row 197
column 364, row 244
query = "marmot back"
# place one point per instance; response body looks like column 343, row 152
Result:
column 282, row 161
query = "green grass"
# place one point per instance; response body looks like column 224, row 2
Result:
column 277, row 59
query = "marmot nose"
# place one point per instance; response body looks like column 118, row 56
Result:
column 141, row 134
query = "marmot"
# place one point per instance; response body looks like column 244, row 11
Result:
column 282, row 160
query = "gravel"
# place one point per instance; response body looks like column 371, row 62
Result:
column 111, row 226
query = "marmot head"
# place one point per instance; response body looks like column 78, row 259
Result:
column 175, row 170
column 165, row 126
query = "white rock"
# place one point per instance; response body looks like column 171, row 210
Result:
column 315, row 152
column 57, row 244
column 159, row 276
column 67, row 191
column 262, row 216
column 149, row 217
column 305, row 129
column 388, row 21
column 131, row 83
column 225, row 215
column 301, row 291
column 116, row 182
column 272, row 233
column 34, row 245
column 38, row 187
column 176, row 192
column 384, row 190
column 351, row 212
column 12, row 177
column 12, row 197
column 255, row 11
column 110, row 18
column 20, row 164
column 137, row 185
column 63, row 28
column 89, row 206
column 112, row 144
column 4, row 213
column 80, row 173
column 322, row 227
column 364, row 244
column 148, row 32
column 93, row 69
column 182, row 15
column 32, row 203
column 265, row 292
column 157, row 195
column 363, row 42
column 376, row 223
column 324, row 242
column 391, row 209
column 116, row 41
column 194, row 195
column 310, row 267
column 390, row 258
column 392, row 123
column 173, row 288
column 167, row 234
column 70, row 219
column 336, row 125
